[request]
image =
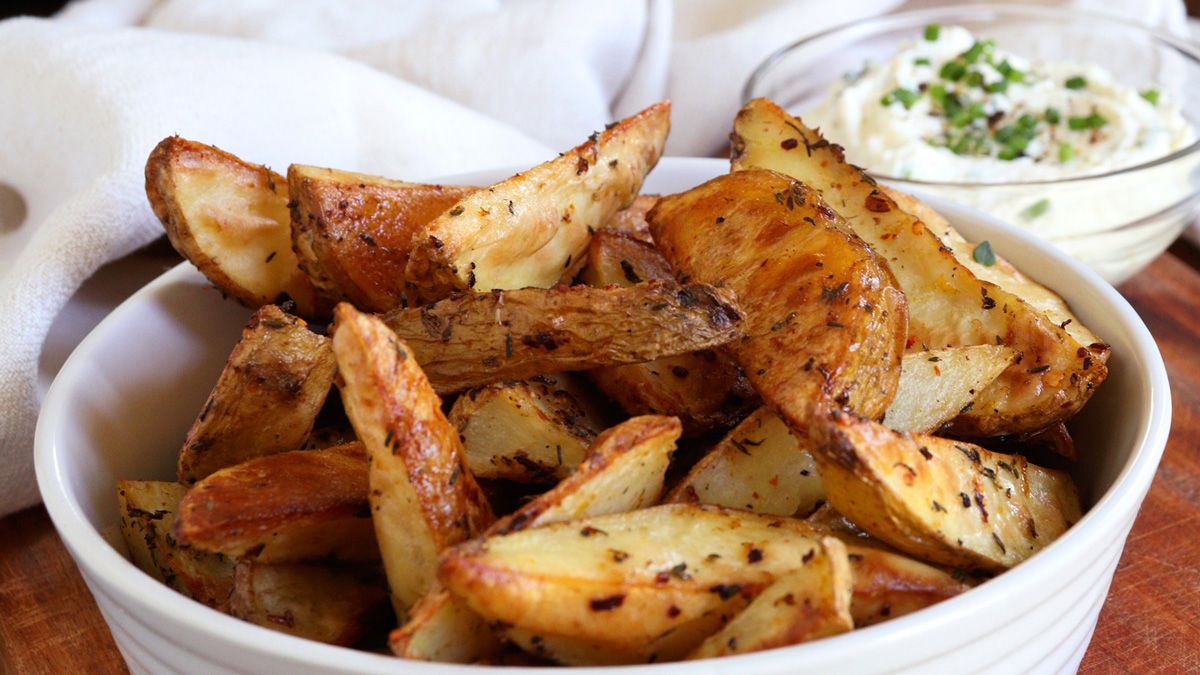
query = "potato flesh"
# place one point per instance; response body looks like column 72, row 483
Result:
column 230, row 219
column 289, row 507
column 824, row 319
column 353, row 232
column 423, row 497
column 266, row 399
column 467, row 341
column 948, row 305
column 938, row 385
column 524, row 231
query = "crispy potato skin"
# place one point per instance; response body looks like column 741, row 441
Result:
column 524, row 231
column 948, row 305
column 940, row 500
column 807, row 604
column 423, row 496
column 288, row 507
column 469, row 340
column 888, row 585
column 266, row 399
column 229, row 218
column 352, row 233
column 330, row 604
column 706, row 390
column 824, row 318
column 534, row 431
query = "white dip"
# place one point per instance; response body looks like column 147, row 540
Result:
column 949, row 107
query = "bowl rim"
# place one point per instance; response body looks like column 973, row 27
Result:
column 107, row 571
column 1183, row 47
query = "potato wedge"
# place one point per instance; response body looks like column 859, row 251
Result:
column 535, row 431
column 940, row 384
column 470, row 340
column 524, row 231
column 621, row 581
column 353, row 232
column 940, row 500
column 423, row 497
column 288, row 507
column 824, row 318
column 632, row 220
column 267, row 398
column 888, row 585
column 706, row 390
column 624, row 472
column 809, row 603
column 948, row 305
column 230, row 219
column 758, row 466
column 148, row 509
column 331, row 604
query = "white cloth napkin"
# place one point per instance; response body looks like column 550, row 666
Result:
column 409, row 90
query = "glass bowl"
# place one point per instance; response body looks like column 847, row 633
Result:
column 1115, row 222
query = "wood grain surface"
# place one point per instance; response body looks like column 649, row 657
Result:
column 1150, row 623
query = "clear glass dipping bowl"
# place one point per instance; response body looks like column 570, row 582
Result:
column 1126, row 217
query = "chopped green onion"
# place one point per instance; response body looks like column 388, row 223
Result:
column 1028, row 121
column 983, row 254
column 1093, row 121
column 998, row 87
column 1052, row 116
column 1011, row 74
column 953, row 71
column 938, row 94
column 1065, row 152
column 972, row 55
column 1038, row 208
column 906, row 97
column 974, row 79
column 921, row 61
column 1008, row 154
column 932, row 31
column 1151, row 95
column 1077, row 82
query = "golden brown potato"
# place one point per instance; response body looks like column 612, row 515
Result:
column 423, row 497
column 758, row 466
column 230, row 219
column 940, row 384
column 940, row 500
column 809, row 603
column 535, row 431
column 333, row 604
column 618, row 582
column 148, row 509
column 948, row 305
column 888, row 585
column 267, row 398
column 824, row 318
column 353, row 232
column 624, row 472
column 525, row 230
column 706, row 390
column 470, row 340
column 632, row 220
column 288, row 507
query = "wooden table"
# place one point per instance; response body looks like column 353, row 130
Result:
column 1151, row 622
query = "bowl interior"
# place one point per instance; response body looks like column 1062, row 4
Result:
column 124, row 400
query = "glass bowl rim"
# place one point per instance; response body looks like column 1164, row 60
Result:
column 1179, row 45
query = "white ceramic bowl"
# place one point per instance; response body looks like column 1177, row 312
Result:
column 124, row 400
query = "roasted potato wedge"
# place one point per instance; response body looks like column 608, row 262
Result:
column 948, row 305
column 632, row 220
column 353, row 232
column 824, row 318
column 422, row 495
column 335, row 605
column 940, row 384
column 288, row 507
column 267, row 398
column 524, row 231
column 624, row 472
column 705, row 390
column 808, row 603
column 888, row 585
column 475, row 339
column 613, row 580
column 535, row 431
column 758, row 466
column 940, row 500
column 230, row 219
column 148, row 510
